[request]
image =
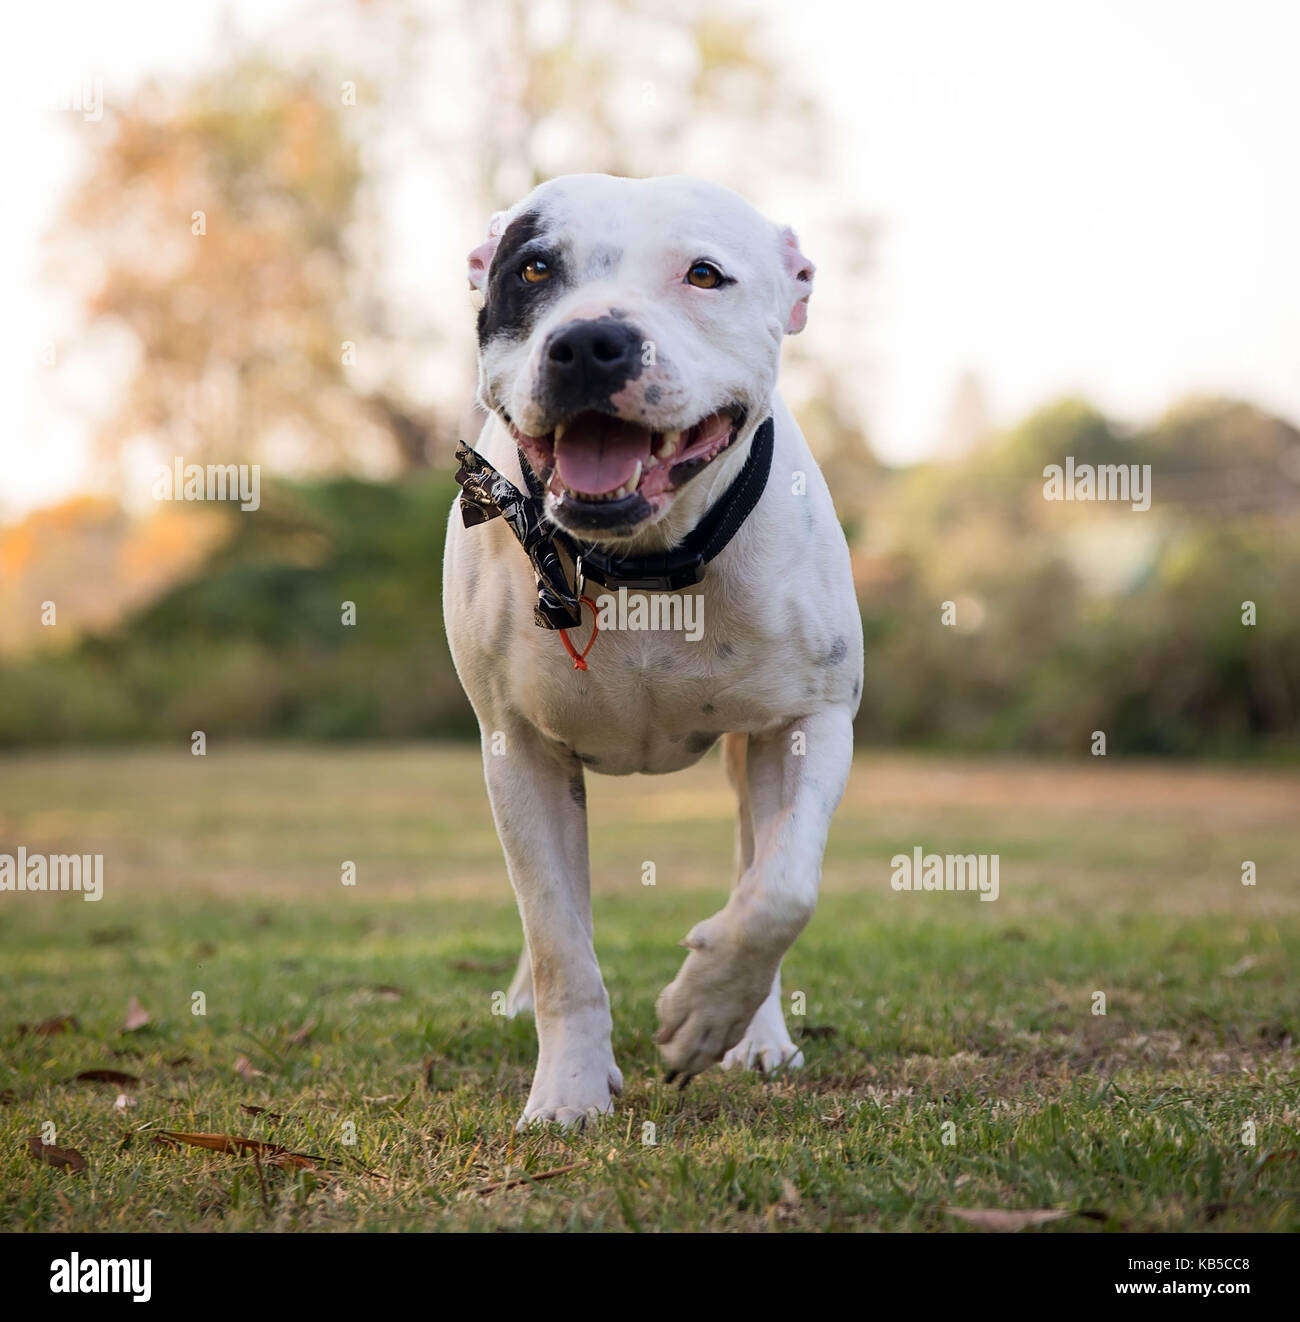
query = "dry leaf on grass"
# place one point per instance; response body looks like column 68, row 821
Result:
column 105, row 1076
column 301, row 1036
column 62, row 1158
column 998, row 1218
column 136, row 1016
column 249, row 1109
column 246, row 1069
column 273, row 1153
column 59, row 1023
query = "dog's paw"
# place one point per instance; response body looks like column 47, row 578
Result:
column 706, row 1008
column 571, row 1091
column 767, row 1045
column 763, row 1051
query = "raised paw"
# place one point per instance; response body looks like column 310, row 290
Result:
column 705, row 1009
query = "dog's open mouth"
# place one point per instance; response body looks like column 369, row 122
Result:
column 604, row 471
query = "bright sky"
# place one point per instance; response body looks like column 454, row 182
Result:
column 1100, row 196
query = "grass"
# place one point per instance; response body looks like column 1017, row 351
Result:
column 953, row 1056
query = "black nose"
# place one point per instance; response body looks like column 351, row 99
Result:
column 587, row 361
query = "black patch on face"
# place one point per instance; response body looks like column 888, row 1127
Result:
column 725, row 648
column 707, row 709
column 578, row 791
column 857, row 685
column 839, row 649
column 587, row 760
column 701, row 741
column 512, row 305
column 653, row 394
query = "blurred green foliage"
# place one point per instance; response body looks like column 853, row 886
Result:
column 1066, row 618
column 255, row 644
column 1076, row 617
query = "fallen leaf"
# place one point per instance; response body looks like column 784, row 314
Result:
column 997, row 1218
column 249, row 1109
column 105, row 1076
column 246, row 1069
column 274, row 1153
column 62, row 1158
column 136, row 1016
column 1243, row 965
column 123, row 1102
column 59, row 1023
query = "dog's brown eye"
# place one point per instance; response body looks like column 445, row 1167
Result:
column 536, row 271
column 704, row 275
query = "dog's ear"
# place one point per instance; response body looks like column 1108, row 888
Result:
column 800, row 272
column 480, row 258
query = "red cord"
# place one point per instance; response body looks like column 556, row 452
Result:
column 580, row 661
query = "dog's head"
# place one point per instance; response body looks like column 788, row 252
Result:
column 629, row 337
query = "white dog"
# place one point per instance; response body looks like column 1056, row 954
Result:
column 629, row 339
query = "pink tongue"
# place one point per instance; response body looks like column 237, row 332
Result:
column 596, row 454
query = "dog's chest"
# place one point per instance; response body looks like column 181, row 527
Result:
column 655, row 702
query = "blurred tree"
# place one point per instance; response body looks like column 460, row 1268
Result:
column 211, row 227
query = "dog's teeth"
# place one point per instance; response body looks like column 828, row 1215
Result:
column 635, row 479
column 668, row 446
column 559, row 431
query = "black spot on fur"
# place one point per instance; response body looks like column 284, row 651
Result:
column 512, row 305
column 701, row 741
column 578, row 791
column 725, row 648
column 839, row 649
column 857, row 687
column 707, row 709
column 653, row 394
column 588, row 760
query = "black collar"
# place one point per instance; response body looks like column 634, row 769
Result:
column 486, row 494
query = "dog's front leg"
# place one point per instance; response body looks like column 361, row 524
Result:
column 796, row 779
column 539, row 803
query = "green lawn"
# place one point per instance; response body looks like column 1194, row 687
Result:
column 953, row 1056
